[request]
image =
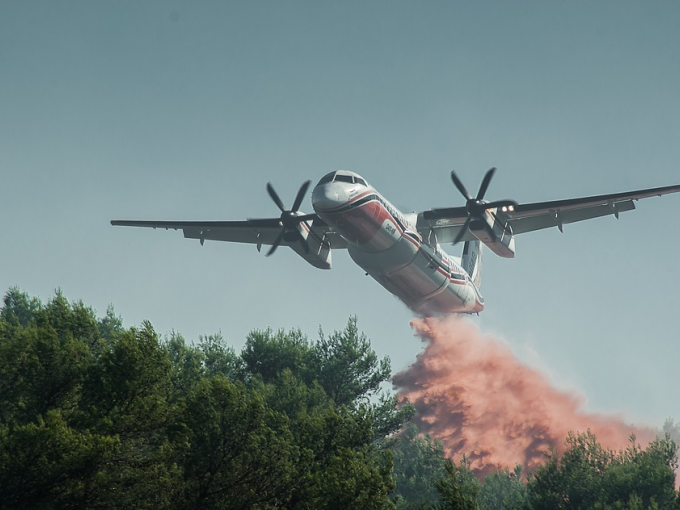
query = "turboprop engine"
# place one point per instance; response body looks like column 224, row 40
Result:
column 296, row 231
column 485, row 220
column 494, row 233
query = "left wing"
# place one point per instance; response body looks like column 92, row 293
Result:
column 447, row 222
column 259, row 231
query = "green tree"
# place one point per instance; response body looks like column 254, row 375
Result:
column 48, row 464
column 110, row 326
column 671, row 430
column 418, row 465
column 590, row 476
column 347, row 367
column 240, row 453
column 504, row 490
column 187, row 364
column 94, row 415
column 267, row 354
column 333, row 422
column 44, row 355
column 19, row 308
column 128, row 394
column 126, row 389
column 220, row 358
column 72, row 408
column 458, row 489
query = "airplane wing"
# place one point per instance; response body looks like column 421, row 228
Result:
column 539, row 215
column 253, row 231
column 446, row 223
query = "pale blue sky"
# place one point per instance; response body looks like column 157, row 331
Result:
column 184, row 110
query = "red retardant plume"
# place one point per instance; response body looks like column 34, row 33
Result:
column 473, row 394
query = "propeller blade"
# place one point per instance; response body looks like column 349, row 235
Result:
column 275, row 197
column 500, row 203
column 459, row 184
column 485, row 183
column 463, row 231
column 277, row 242
column 300, row 195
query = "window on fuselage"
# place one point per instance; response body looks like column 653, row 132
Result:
column 326, row 178
column 359, row 180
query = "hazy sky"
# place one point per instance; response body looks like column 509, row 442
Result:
column 184, row 110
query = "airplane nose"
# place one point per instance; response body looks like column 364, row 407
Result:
column 327, row 197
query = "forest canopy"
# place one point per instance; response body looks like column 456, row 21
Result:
column 94, row 414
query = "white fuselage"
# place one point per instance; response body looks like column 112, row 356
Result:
column 386, row 245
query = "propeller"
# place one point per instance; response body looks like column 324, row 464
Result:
column 476, row 206
column 290, row 218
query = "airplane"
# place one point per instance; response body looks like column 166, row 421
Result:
column 402, row 251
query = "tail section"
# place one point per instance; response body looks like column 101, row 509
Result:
column 472, row 261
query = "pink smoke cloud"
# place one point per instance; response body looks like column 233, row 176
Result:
column 474, row 395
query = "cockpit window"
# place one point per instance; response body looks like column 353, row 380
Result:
column 336, row 177
column 326, row 178
column 344, row 178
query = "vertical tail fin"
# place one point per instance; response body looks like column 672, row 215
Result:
column 472, row 261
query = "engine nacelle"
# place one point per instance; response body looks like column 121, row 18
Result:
column 494, row 233
column 319, row 254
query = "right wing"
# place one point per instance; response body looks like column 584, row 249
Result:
column 447, row 222
column 539, row 215
column 255, row 231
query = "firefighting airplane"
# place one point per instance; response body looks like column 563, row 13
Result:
column 401, row 251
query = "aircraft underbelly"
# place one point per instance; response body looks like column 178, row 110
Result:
column 408, row 273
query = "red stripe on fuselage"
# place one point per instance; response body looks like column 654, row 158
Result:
column 361, row 224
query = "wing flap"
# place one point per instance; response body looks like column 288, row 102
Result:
column 234, row 235
column 557, row 218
